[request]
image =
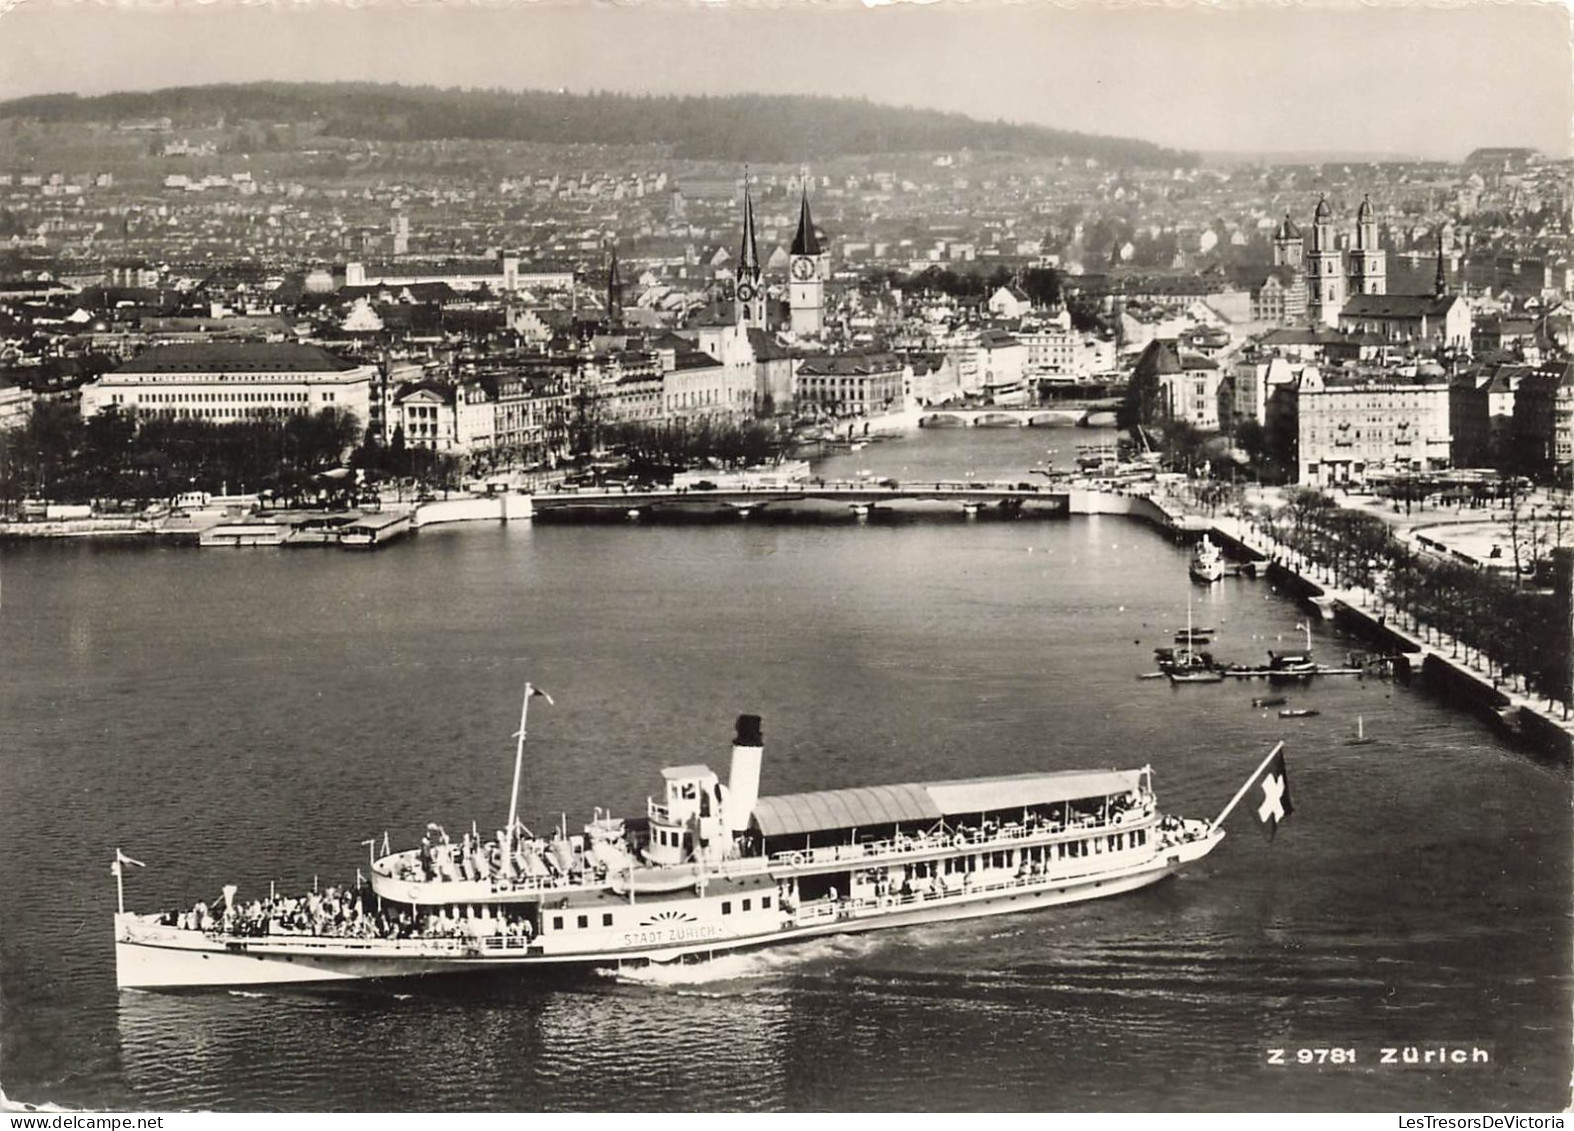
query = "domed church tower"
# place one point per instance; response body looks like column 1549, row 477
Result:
column 1325, row 277
column 1368, row 262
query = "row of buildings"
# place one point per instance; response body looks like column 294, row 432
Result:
column 1347, row 421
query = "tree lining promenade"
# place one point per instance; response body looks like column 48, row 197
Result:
column 1411, row 581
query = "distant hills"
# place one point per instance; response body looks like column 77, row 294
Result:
column 741, row 127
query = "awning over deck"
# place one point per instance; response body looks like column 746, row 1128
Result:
column 865, row 807
column 923, row 803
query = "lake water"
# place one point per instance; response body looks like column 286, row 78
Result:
column 253, row 716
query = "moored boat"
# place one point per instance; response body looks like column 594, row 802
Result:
column 711, row 867
column 1207, row 561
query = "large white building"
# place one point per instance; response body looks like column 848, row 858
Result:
column 1350, row 426
column 233, row 381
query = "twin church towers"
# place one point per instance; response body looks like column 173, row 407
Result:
column 807, row 266
column 1333, row 273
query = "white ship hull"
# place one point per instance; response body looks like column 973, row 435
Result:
column 149, row 955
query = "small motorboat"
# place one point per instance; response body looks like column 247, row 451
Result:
column 1298, row 713
column 1269, row 701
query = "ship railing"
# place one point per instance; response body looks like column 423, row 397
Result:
column 433, row 944
column 850, row 907
column 1006, row 834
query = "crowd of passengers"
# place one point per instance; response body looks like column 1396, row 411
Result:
column 479, row 858
column 491, row 859
column 1036, row 823
column 335, row 913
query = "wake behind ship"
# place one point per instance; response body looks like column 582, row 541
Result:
column 710, row 868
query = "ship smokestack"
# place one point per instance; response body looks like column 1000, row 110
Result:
column 743, row 780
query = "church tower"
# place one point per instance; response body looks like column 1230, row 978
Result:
column 1288, row 248
column 748, row 293
column 806, row 289
column 614, row 291
column 1325, row 279
column 1368, row 262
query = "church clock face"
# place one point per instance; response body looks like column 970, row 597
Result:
column 803, row 269
column 745, row 293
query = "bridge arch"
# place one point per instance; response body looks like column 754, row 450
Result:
column 943, row 420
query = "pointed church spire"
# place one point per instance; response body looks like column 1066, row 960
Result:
column 806, row 242
column 749, row 253
column 614, row 289
column 1440, row 285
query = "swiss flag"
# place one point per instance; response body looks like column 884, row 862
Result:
column 1270, row 793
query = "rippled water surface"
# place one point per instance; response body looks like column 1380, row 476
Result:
column 254, row 715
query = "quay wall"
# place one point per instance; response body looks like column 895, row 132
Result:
column 1085, row 501
column 496, row 508
column 1524, row 719
column 79, row 528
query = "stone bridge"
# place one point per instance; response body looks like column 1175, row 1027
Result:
column 860, row 496
column 1004, row 416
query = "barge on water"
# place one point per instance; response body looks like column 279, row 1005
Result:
column 709, row 868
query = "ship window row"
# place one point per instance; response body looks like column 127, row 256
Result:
column 1066, row 850
column 582, row 921
column 747, row 905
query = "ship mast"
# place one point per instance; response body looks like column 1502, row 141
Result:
column 519, row 756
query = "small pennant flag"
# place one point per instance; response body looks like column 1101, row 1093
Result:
column 537, row 693
column 121, row 860
column 1272, row 794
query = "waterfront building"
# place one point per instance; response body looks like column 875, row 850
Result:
column 231, row 381
column 1543, row 429
column 1481, row 415
column 851, row 384
column 731, row 345
column 774, row 368
column 1052, row 351
column 1251, row 380
column 1349, row 425
column 1004, row 361
column 930, row 378
column 1179, row 385
column 530, row 413
column 426, row 412
column 633, row 391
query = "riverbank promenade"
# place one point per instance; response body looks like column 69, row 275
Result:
column 1451, row 536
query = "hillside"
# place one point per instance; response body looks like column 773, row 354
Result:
column 745, row 127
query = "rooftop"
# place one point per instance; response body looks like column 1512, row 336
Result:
column 237, row 357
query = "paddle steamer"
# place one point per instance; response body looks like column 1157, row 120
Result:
column 709, row 868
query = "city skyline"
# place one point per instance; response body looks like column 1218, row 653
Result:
column 1415, row 81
